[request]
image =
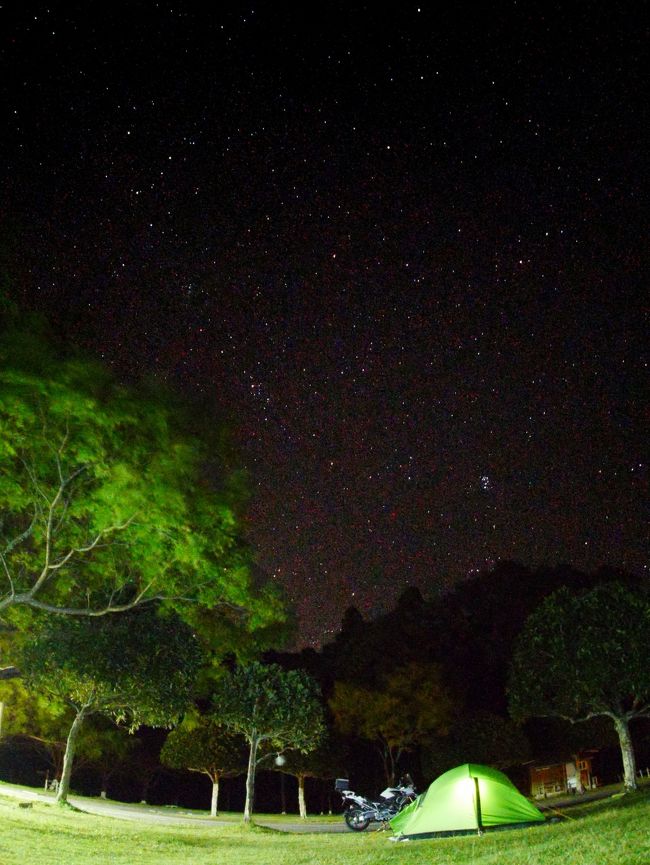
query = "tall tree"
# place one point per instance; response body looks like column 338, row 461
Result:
column 325, row 761
column 109, row 499
column 136, row 669
column 269, row 706
column 207, row 748
column 406, row 710
column 587, row 656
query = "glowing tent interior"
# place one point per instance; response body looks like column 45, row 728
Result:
column 469, row 798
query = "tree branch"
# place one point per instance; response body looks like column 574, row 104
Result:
column 32, row 478
column 29, row 601
column 266, row 756
column 12, row 593
column 48, row 539
column 49, row 568
column 23, row 535
column 64, row 511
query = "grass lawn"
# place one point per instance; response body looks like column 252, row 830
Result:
column 612, row 832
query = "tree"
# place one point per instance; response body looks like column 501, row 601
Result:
column 109, row 499
column 271, row 706
column 586, row 656
column 136, row 669
column 482, row 738
column 325, row 761
column 207, row 748
column 106, row 747
column 37, row 718
column 405, row 711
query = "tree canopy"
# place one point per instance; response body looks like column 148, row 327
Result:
column 267, row 704
column 35, row 717
column 582, row 656
column 108, row 749
column 327, row 760
column 208, row 748
column 136, row 669
column 109, row 499
column 411, row 704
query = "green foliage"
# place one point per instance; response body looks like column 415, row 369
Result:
column 33, row 713
column 411, row 705
column 104, row 745
column 272, row 708
column 327, row 760
column 271, row 704
column 584, row 655
column 35, row 717
column 207, row 748
column 137, row 668
column 109, row 499
column 483, row 738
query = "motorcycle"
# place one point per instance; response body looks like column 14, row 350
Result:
column 360, row 812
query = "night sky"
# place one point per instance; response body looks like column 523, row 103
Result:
column 401, row 251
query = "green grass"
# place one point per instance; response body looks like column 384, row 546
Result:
column 612, row 832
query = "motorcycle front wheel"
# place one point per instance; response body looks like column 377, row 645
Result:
column 356, row 819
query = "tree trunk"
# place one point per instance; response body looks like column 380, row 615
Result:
column 387, row 759
column 56, row 751
column 283, row 793
column 302, row 807
column 627, row 752
column 250, row 777
column 215, row 796
column 390, row 773
column 148, row 777
column 64, row 786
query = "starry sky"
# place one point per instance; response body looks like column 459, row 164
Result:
column 400, row 249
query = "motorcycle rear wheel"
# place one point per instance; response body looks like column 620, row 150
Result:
column 356, row 819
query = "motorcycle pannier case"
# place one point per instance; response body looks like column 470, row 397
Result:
column 341, row 784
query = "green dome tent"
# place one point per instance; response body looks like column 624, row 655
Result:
column 466, row 799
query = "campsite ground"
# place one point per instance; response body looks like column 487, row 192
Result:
column 614, row 831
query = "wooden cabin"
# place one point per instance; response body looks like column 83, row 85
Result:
column 556, row 778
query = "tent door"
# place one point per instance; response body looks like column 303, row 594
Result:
column 477, row 806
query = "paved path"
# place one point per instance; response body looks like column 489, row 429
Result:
column 152, row 814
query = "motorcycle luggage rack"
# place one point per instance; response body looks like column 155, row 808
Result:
column 341, row 784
